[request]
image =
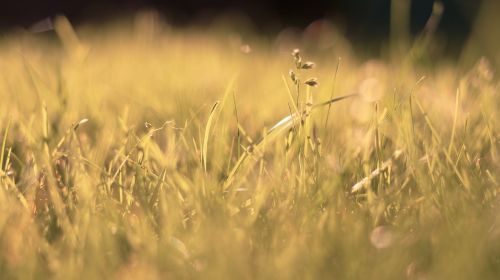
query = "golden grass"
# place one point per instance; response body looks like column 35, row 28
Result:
column 116, row 162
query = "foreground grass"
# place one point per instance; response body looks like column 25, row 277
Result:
column 131, row 156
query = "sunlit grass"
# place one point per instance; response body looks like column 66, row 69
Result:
column 142, row 153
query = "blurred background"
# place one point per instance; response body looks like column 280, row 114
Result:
column 366, row 24
column 358, row 18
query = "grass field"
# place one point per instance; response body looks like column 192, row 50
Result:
column 135, row 152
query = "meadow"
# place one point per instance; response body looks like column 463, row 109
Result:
column 139, row 151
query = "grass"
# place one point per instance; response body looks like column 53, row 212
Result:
column 136, row 152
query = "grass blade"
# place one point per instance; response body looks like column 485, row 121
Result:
column 333, row 89
column 211, row 120
column 4, row 143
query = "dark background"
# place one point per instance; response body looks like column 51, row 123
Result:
column 362, row 20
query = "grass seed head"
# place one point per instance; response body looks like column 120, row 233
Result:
column 293, row 76
column 308, row 65
column 312, row 82
column 297, row 58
